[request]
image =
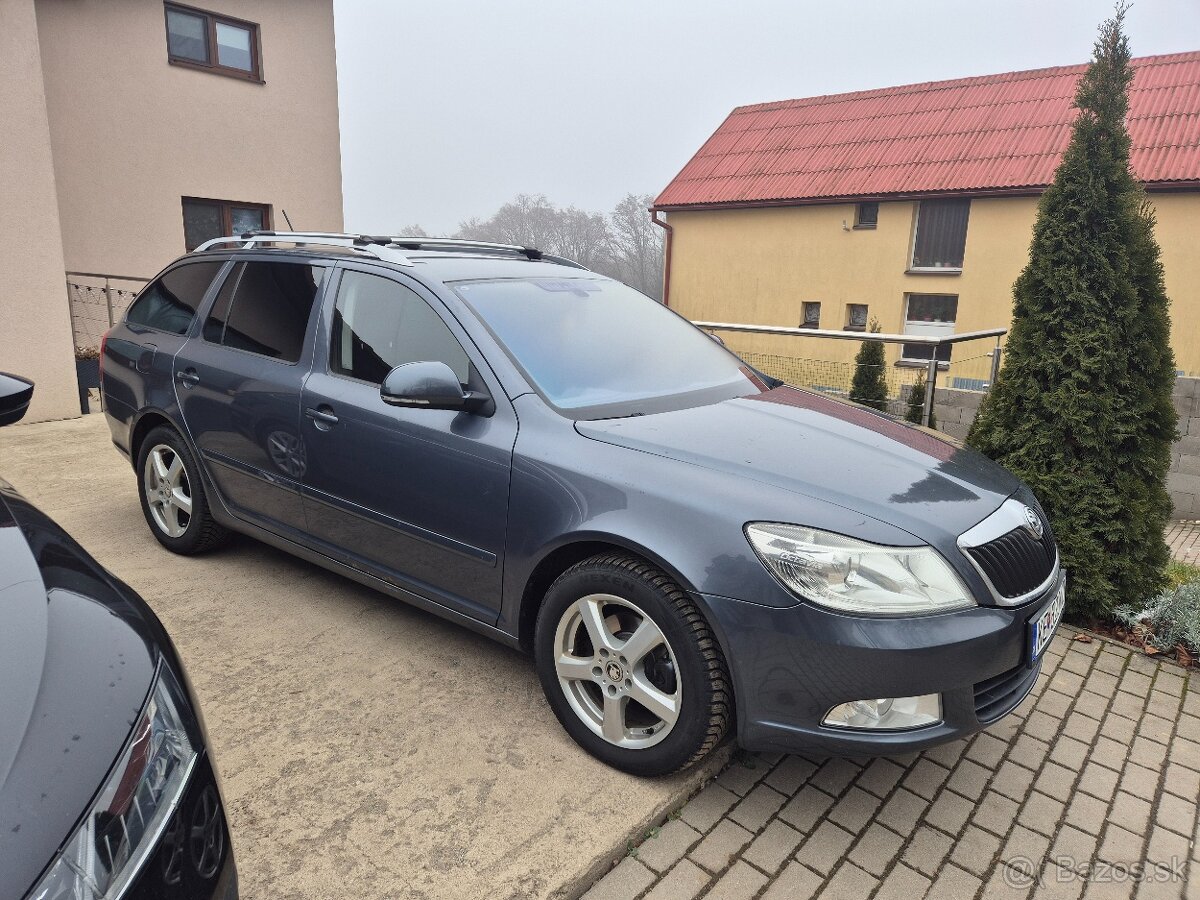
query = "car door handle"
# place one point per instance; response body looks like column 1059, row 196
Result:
column 188, row 376
column 322, row 415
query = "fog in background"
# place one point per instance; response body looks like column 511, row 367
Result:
column 451, row 109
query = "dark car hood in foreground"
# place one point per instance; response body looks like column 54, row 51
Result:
column 835, row 451
column 77, row 658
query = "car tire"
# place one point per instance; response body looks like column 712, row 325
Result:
column 675, row 665
column 168, row 475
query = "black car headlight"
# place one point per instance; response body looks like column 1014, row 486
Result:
column 127, row 817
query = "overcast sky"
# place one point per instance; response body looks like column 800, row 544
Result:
column 448, row 109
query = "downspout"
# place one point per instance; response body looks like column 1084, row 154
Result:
column 665, row 226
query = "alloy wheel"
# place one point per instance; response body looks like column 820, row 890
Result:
column 168, row 490
column 617, row 671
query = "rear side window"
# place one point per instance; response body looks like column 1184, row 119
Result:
column 264, row 307
column 169, row 303
column 379, row 324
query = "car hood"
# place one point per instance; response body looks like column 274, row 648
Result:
column 829, row 449
column 77, row 658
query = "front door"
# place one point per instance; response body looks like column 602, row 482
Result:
column 239, row 385
column 418, row 497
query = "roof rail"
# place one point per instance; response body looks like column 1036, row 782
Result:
column 358, row 242
column 428, row 243
column 386, row 247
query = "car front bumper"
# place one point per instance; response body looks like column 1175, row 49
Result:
column 791, row 666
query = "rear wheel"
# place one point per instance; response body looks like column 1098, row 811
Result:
column 172, row 495
column 630, row 666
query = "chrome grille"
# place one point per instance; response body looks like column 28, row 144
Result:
column 1017, row 563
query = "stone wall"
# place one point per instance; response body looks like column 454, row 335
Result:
column 955, row 410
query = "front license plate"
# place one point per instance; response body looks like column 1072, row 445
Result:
column 1045, row 623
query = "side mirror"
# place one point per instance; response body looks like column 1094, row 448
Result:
column 428, row 385
column 15, row 394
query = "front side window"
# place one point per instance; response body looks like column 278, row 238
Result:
column 379, row 324
column 595, row 348
column 264, row 308
column 211, row 41
column 941, row 237
column 932, row 315
column 205, row 219
column 170, row 302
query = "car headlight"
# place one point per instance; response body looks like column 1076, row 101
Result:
column 856, row 577
column 125, row 821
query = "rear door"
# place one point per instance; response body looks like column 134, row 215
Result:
column 139, row 351
column 239, row 383
column 418, row 497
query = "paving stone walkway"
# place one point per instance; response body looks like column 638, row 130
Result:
column 1184, row 540
column 1089, row 789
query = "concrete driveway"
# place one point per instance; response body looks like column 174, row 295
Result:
column 367, row 749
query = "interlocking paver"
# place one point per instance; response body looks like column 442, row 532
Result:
column 758, row 807
column 975, row 850
column 704, row 810
column 903, row 883
column 876, row 849
column 683, row 882
column 628, row 879
column 849, row 883
column 949, row 812
column 668, row 846
column 1041, row 813
column 825, row 847
column 770, row 849
column 953, row 883
column 926, row 778
column 854, row 810
column 720, row 845
column 806, row 808
column 796, row 882
column 880, row 777
column 741, row 882
column 1100, row 764
column 790, row 775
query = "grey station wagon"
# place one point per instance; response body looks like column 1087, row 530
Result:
column 544, row 455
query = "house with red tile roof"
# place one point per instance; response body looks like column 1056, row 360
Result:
column 912, row 205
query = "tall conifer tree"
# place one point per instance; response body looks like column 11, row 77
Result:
column 1082, row 408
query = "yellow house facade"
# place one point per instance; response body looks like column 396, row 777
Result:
column 762, row 265
column 912, row 206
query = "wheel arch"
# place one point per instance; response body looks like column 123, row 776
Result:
column 566, row 553
column 146, row 422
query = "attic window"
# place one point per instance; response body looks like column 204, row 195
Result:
column 866, row 215
column 216, row 43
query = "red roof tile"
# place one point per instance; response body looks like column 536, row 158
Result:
column 991, row 134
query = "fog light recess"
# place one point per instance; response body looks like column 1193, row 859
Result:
column 887, row 714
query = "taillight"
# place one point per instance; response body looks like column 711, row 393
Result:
column 103, row 344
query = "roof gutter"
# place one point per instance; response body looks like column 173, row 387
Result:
column 665, row 226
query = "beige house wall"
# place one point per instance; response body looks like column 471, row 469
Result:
column 133, row 134
column 35, row 328
column 760, row 265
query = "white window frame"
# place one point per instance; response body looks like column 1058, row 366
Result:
column 921, row 328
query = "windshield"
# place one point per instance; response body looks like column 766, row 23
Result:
column 595, row 348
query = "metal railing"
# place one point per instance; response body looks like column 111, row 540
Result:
column 96, row 303
column 977, row 375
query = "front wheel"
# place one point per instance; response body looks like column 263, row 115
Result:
column 630, row 666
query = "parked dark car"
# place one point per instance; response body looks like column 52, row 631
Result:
column 553, row 459
column 106, row 784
